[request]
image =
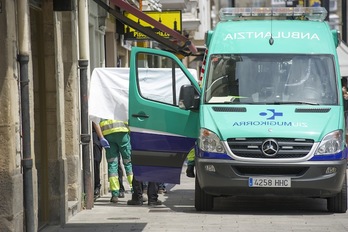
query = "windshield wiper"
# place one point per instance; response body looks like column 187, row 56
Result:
column 267, row 103
column 230, row 102
column 241, row 103
column 217, row 79
column 292, row 102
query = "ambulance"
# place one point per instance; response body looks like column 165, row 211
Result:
column 267, row 118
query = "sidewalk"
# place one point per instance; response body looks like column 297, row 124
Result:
column 238, row 214
column 107, row 216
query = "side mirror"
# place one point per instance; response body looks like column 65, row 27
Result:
column 188, row 98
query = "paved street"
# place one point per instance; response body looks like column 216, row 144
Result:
column 230, row 214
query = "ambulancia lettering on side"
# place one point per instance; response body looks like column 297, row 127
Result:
column 278, row 35
column 265, row 117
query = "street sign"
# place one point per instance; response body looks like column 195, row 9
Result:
column 171, row 19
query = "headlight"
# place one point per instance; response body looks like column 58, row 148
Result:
column 332, row 143
column 210, row 142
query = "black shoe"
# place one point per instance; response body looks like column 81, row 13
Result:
column 135, row 202
column 114, row 199
column 190, row 171
column 153, row 203
column 121, row 194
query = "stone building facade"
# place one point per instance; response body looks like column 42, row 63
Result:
column 43, row 183
column 48, row 51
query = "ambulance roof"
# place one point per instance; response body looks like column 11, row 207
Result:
column 236, row 34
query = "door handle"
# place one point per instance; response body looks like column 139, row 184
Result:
column 140, row 116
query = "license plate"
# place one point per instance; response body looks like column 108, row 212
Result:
column 273, row 182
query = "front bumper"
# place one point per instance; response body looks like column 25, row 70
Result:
column 308, row 179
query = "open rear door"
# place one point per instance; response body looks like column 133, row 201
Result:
column 162, row 134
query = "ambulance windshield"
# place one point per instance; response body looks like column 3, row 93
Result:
column 271, row 79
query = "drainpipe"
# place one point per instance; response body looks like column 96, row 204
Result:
column 85, row 135
column 27, row 161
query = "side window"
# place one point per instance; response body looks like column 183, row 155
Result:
column 159, row 78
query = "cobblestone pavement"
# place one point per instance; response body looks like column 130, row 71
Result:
column 237, row 214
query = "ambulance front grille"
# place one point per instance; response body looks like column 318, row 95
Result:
column 285, row 148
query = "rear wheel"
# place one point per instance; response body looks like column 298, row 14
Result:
column 203, row 201
column 338, row 203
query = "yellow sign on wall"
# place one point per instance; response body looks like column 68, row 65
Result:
column 171, row 19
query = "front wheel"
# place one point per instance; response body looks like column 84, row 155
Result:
column 338, row 203
column 203, row 201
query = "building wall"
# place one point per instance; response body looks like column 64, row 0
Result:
column 70, row 86
column 54, row 110
column 54, row 117
column 57, row 108
column 39, row 116
column 11, row 180
column 57, row 113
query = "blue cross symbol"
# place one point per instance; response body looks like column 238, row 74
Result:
column 274, row 114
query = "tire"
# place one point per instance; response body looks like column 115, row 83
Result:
column 338, row 203
column 203, row 201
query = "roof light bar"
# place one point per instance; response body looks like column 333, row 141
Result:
column 307, row 13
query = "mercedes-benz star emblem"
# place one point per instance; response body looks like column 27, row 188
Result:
column 270, row 147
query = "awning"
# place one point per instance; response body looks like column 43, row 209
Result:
column 178, row 43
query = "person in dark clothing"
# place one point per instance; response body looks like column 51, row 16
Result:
column 137, row 195
column 97, row 156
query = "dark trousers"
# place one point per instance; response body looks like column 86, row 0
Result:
column 97, row 154
column 152, row 189
column 120, row 175
column 96, row 174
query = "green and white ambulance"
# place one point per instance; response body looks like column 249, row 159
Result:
column 267, row 120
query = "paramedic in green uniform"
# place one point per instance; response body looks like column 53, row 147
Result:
column 114, row 137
